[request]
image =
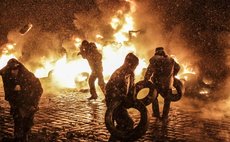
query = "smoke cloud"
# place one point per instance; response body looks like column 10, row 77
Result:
column 202, row 27
column 196, row 32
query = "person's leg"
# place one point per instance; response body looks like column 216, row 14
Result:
column 101, row 82
column 166, row 109
column 166, row 104
column 27, row 123
column 92, row 87
column 18, row 127
column 155, row 106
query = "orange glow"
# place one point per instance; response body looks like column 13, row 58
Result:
column 122, row 26
column 43, row 72
column 4, row 59
column 64, row 73
column 67, row 73
column 185, row 70
column 204, row 91
column 6, row 54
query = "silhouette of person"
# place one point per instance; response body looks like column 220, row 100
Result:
column 89, row 52
column 23, row 91
column 120, row 84
column 162, row 70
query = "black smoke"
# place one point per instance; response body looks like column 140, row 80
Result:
column 204, row 23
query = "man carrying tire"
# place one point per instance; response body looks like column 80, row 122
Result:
column 161, row 71
column 120, row 84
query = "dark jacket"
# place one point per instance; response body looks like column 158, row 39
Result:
column 31, row 89
column 120, row 84
column 162, row 70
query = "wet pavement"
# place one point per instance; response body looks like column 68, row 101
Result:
column 66, row 116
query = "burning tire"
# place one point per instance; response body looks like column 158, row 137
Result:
column 137, row 131
column 150, row 97
column 180, row 90
column 25, row 29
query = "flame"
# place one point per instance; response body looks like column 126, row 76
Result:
column 77, row 42
column 4, row 59
column 64, row 73
column 204, row 91
column 67, row 73
column 186, row 69
column 122, row 26
column 115, row 53
column 6, row 54
column 99, row 36
column 44, row 71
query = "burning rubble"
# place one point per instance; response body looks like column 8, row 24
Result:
column 119, row 32
column 69, row 71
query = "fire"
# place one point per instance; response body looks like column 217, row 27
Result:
column 113, row 58
column 68, row 73
column 185, row 70
column 6, row 54
column 204, row 91
column 122, row 27
column 43, row 72
column 4, row 59
column 64, row 73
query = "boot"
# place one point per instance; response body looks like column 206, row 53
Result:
column 93, row 97
column 93, row 93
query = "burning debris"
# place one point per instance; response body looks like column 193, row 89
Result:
column 119, row 32
column 25, row 29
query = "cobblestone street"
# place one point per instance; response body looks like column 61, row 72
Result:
column 67, row 116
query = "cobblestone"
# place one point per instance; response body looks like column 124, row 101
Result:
column 67, row 117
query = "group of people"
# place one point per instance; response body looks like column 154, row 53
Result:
column 23, row 90
column 161, row 72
